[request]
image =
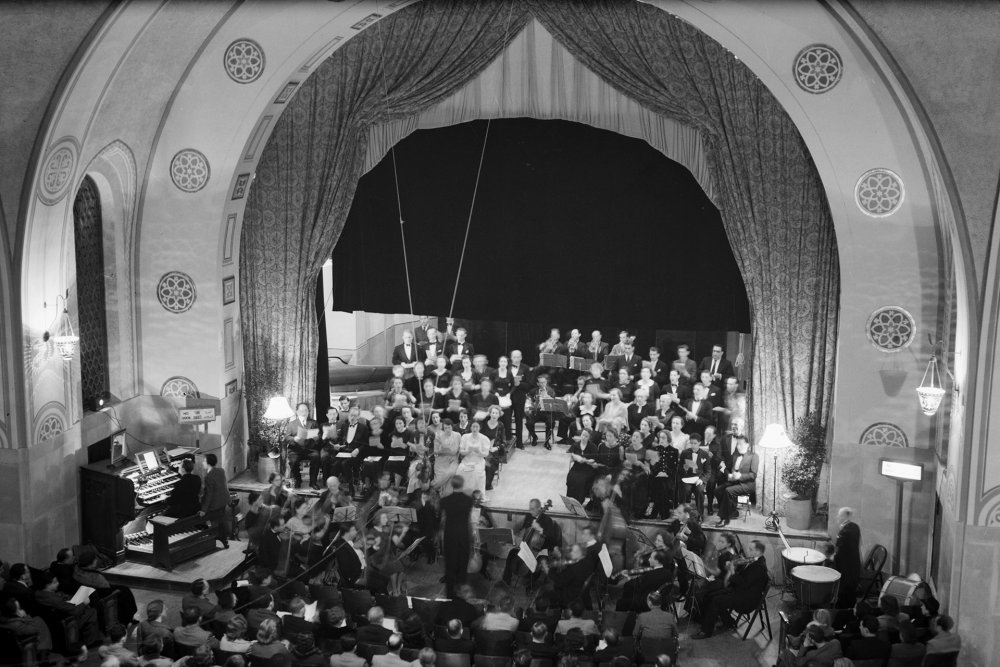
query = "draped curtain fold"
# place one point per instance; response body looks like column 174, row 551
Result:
column 766, row 186
column 308, row 171
column 768, row 190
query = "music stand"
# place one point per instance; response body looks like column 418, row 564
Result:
column 553, row 360
column 581, row 364
column 611, row 361
column 343, row 514
column 574, row 506
column 551, row 407
column 400, row 513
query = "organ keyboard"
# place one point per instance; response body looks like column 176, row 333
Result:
column 172, row 541
column 121, row 502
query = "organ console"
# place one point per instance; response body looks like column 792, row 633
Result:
column 122, row 509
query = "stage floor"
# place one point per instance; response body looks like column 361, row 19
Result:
column 216, row 567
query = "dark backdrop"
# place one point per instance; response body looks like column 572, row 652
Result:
column 573, row 226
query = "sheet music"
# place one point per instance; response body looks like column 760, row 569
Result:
column 372, row 459
column 82, row 595
column 345, row 455
column 580, row 363
column 605, row 559
column 524, row 553
column 307, row 433
column 397, row 459
column 329, row 432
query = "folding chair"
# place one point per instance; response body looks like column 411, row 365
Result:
column 871, row 573
column 755, row 613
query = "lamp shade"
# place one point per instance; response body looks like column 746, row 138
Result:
column 278, row 409
column 775, row 437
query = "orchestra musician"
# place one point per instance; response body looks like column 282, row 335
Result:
column 619, row 348
column 351, row 561
column 302, row 447
column 744, row 583
column 569, row 576
column 740, row 480
column 574, row 347
column 539, row 531
column 640, row 582
column 596, row 349
column 535, row 396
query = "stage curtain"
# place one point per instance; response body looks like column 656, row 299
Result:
column 768, row 190
column 537, row 77
column 307, row 174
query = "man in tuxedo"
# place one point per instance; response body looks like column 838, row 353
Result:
column 459, row 348
column 406, row 353
column 677, row 393
column 684, row 363
column 695, row 462
column 185, row 496
column 351, row 436
column 712, row 446
column 741, row 476
column 421, row 336
column 434, row 347
column 847, row 557
column 658, row 368
column 630, row 361
column 215, row 499
column 713, row 392
column 301, row 447
column 741, row 590
column 698, row 412
column 350, row 559
column 596, row 349
column 717, row 366
column 518, row 394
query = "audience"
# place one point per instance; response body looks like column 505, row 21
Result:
column 198, row 598
column 373, row 632
column 908, row 652
column 268, row 642
column 190, row 632
column 150, row 653
column 455, row 642
column 498, row 616
column 234, row 639
column 541, row 647
column 391, row 659
column 868, row 646
column 576, row 620
column 943, row 639
column 348, row 656
column 116, row 646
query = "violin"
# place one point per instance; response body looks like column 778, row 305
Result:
column 628, row 575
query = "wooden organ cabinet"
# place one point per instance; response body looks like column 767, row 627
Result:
column 122, row 511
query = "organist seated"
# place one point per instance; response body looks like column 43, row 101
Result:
column 184, row 497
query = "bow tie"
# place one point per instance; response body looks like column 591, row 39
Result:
column 354, row 423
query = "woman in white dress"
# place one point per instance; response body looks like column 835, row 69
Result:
column 474, row 449
column 615, row 413
column 446, row 445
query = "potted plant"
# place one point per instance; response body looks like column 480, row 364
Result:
column 259, row 386
column 801, row 469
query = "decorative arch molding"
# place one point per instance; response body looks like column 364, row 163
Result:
column 239, row 117
column 50, row 422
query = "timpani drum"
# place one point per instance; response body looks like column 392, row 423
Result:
column 815, row 585
column 795, row 556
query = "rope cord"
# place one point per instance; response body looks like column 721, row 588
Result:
column 395, row 171
column 482, row 154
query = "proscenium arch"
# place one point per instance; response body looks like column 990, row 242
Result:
column 232, row 121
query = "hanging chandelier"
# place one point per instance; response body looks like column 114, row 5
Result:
column 929, row 393
column 66, row 344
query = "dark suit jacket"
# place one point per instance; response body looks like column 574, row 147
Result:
column 215, row 495
column 24, row 595
column 747, row 585
column 452, row 348
column 703, row 416
column 348, row 563
column 268, row 549
column 399, row 354
column 457, row 608
column 373, row 634
column 570, row 580
column 725, row 367
column 637, row 414
column 602, row 351
column 660, row 372
column 633, row 365
column 455, row 646
column 868, row 648
column 184, row 497
column 634, row 591
column 748, row 467
column 361, row 435
column 847, row 558
column 521, row 390
column 420, row 338
column 559, row 349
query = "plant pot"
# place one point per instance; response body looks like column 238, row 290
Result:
column 798, row 513
column 265, row 466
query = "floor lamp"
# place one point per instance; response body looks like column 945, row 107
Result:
column 775, row 438
column 278, row 410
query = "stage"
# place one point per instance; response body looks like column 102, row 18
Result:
column 217, row 568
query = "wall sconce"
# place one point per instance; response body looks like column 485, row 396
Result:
column 66, row 344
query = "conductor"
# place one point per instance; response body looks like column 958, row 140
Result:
column 457, row 510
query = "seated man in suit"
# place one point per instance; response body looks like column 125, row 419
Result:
column 301, row 447
column 21, row 587
column 740, row 479
column 655, row 623
column 348, row 657
column 541, row 613
column 944, row 639
column 541, row 645
column 17, row 621
column 868, row 646
column 718, row 368
column 537, row 528
column 190, row 632
column 391, row 659
column 184, row 498
column 576, row 620
column 51, row 598
column 613, row 647
column 741, row 590
column 454, row 642
column 373, row 632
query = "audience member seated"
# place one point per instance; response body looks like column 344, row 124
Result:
column 14, row 619
column 908, row 652
column 611, row 646
column 454, row 642
column 540, row 614
column 151, row 653
column 541, row 646
column 817, row 650
column 62, row 568
column 655, row 623
column 573, row 643
column 85, row 574
column 576, row 620
column 348, row 656
column 202, row 656
column 116, row 646
column 190, row 632
column 868, row 646
column 458, row 607
column 52, row 599
column 498, row 616
column 19, row 586
column 154, row 626
column 225, row 609
column 306, row 654
column 391, row 659
column 889, row 618
column 198, row 597
column 373, row 632
column 268, row 642
column 944, row 639
column 234, row 639
column 426, row 658
column 411, row 627
column 333, row 626
column 295, row 624
column 257, row 615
